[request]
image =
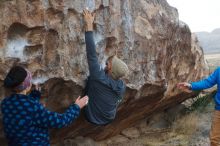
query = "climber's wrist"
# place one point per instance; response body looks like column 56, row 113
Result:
column 89, row 27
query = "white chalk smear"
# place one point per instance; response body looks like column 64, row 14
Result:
column 39, row 80
column 90, row 5
column 15, row 48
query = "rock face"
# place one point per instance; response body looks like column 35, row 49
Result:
column 47, row 37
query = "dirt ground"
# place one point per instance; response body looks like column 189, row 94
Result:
column 189, row 130
column 213, row 60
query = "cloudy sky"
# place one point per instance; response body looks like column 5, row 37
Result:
column 200, row 15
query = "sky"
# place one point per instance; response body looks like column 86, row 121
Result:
column 200, row 15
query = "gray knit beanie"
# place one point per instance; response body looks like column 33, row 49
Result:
column 119, row 68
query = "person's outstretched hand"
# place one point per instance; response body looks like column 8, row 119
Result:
column 38, row 87
column 186, row 87
column 88, row 19
column 81, row 102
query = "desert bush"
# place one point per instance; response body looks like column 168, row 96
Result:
column 202, row 101
column 187, row 124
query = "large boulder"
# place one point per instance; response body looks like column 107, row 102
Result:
column 47, row 37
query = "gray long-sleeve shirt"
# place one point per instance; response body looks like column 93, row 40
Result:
column 103, row 91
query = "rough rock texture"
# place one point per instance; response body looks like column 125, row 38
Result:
column 47, row 37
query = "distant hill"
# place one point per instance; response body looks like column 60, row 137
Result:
column 210, row 42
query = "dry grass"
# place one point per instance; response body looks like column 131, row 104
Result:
column 180, row 133
column 213, row 60
column 212, row 56
column 166, row 139
column 186, row 125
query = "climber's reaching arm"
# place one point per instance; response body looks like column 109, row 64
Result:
column 95, row 69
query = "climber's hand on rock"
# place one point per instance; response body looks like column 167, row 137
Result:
column 37, row 87
column 184, row 86
column 81, row 102
column 88, row 19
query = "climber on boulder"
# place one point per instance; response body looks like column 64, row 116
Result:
column 26, row 121
column 104, row 86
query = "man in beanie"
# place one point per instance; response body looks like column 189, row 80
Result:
column 26, row 121
column 104, row 87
